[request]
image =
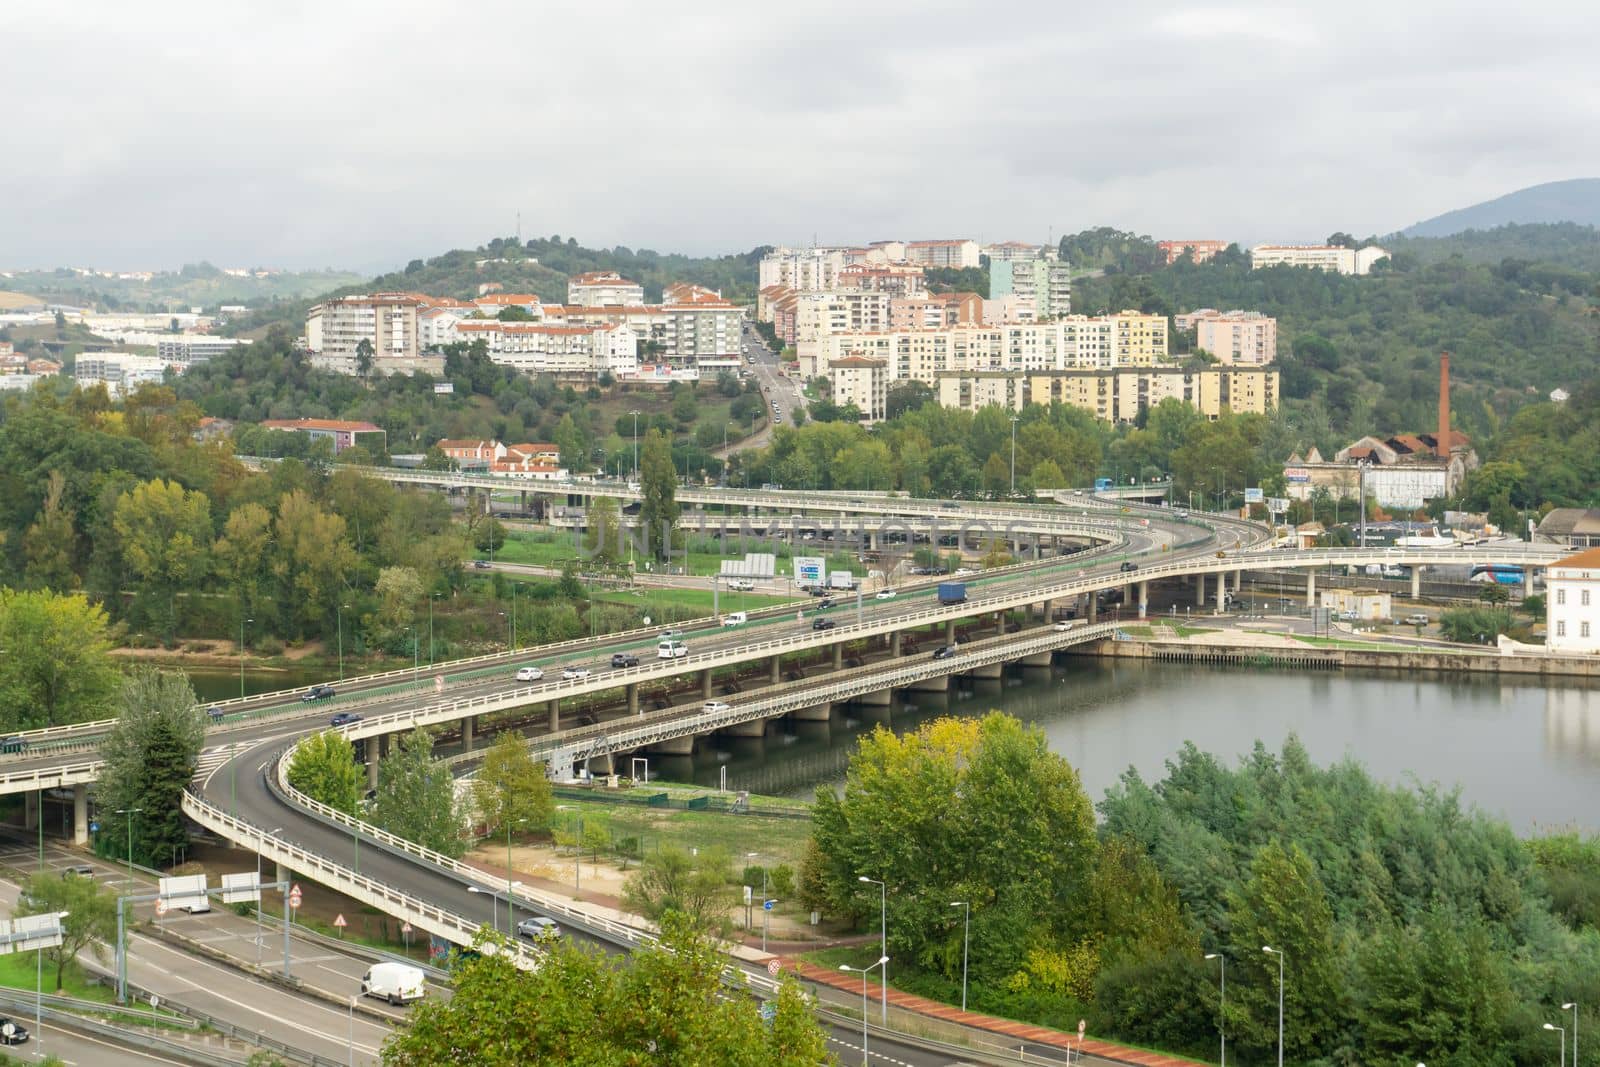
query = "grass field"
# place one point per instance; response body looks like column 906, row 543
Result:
column 17, row 971
column 775, row 841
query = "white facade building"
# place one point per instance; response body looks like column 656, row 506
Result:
column 603, row 288
column 1572, row 604
column 541, row 348
column 1320, row 257
column 120, row 372
column 387, row 321
column 195, row 348
column 801, row 269
column 943, row 255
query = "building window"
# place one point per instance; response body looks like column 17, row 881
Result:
column 1561, row 596
column 1583, row 629
column 1561, row 628
column 1583, row 597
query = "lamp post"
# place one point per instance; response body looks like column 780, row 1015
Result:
column 130, row 813
column 1562, row 1030
column 242, row 621
column 1269, row 950
column 966, row 940
column 38, row 985
column 340, row 613
column 431, row 598
column 494, row 907
column 510, row 923
column 416, row 679
column 1014, row 421
column 864, row 971
column 269, row 833
column 1222, row 1006
column 635, row 415
column 513, row 616
column 883, row 938
column 1573, row 1008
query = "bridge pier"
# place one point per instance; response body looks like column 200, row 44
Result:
column 939, row 684
column 1144, row 597
column 469, row 726
column 80, row 814
column 894, row 643
column 1311, row 588
column 1037, row 659
column 554, row 708
column 1222, row 591
column 372, row 773
column 753, row 728
column 1527, row 580
column 950, row 632
column 31, row 803
column 1200, row 590
column 880, row 698
column 838, row 655
column 633, row 698
column 675, row 746
column 1000, row 623
column 705, row 684
column 815, row 713
column 1416, row 583
column 775, row 675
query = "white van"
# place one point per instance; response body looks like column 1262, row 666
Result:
column 398, row 983
column 735, row 618
column 671, row 650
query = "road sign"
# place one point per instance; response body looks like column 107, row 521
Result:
column 294, row 896
column 747, row 896
column 1082, row 1026
column 773, row 967
column 769, row 1012
column 766, row 905
column 94, row 827
column 405, row 928
column 338, row 921
column 161, row 907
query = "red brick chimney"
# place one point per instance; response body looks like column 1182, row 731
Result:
column 1442, row 442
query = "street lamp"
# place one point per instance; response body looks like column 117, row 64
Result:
column 883, row 962
column 340, row 613
column 513, row 616
column 431, row 598
column 416, row 679
column 1562, row 1030
column 494, row 907
column 1269, row 950
column 1014, row 421
column 635, row 415
column 883, row 938
column 269, row 833
column 130, row 813
column 966, row 938
column 38, row 982
column 1573, row 1008
column 242, row 621
column 1222, row 1006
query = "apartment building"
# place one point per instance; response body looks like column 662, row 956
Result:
column 341, row 433
column 1120, row 395
column 569, row 351
column 1196, row 251
column 387, row 321
column 897, row 279
column 1572, row 601
column 603, row 288
column 940, row 255
column 120, row 372
column 934, row 311
column 863, row 382
column 1042, row 286
column 1236, row 338
column 801, row 270
column 1011, row 251
column 185, row 349
column 490, row 305
column 1318, row 257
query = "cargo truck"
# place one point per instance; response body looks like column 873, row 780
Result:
column 952, row 592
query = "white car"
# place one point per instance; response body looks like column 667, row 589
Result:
column 574, row 674
column 884, row 594
column 671, row 650
column 529, row 674
column 1065, row 624
column 711, row 707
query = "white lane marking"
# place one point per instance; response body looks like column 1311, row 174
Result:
column 875, row 1055
column 124, row 1050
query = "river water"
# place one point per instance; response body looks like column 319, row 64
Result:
column 1523, row 751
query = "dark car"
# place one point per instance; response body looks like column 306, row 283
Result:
column 944, row 651
column 14, row 743
column 316, row 693
column 822, row 624
column 344, row 718
column 818, row 590
column 215, row 713
column 1129, row 565
column 624, row 659
column 825, row 603
column 12, row 1032
column 480, row 564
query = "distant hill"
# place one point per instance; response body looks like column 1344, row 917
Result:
column 1577, row 200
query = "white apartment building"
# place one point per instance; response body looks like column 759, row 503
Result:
column 942, row 255
column 1236, row 338
column 1319, row 257
column 195, row 348
column 1572, row 604
column 1042, row 286
column 603, row 288
column 120, row 372
column 540, row 348
column 387, row 321
column 803, row 269
column 862, row 382
column 1119, row 395
column 1011, row 251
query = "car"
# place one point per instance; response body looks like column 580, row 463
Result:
column 344, row 718
column 623, row 659
column 14, row 743
column 537, row 927
column 529, row 674
column 214, row 713
column 1064, row 625
column 77, row 870
column 822, row 624
column 316, row 693
column 1129, row 565
column 825, row 603
column 670, row 635
column 735, row 618
column 480, row 564
column 742, row 585
column 884, row 594
column 671, row 650
column 574, row 674
column 712, row 707
column 1417, row 619
column 12, row 1032
column 944, row 651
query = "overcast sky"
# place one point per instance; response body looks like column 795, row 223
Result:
column 285, row 133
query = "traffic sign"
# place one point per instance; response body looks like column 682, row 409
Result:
column 766, row 905
column 405, row 928
column 161, row 907
column 338, row 921
column 94, row 826
column 294, row 897
column 1082, row 1026
column 773, row 967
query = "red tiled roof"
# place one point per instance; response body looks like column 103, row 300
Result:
column 1583, row 560
column 320, row 424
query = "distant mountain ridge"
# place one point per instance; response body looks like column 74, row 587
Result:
column 1576, row 200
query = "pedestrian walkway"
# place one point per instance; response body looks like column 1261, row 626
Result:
column 1019, row 1031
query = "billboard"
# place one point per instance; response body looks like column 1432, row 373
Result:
column 443, row 388
column 1296, row 475
column 240, row 888
column 1254, row 495
column 183, row 891
column 810, row 570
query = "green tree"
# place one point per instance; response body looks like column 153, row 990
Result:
column 91, row 919
column 603, row 535
column 165, row 532
column 658, row 487
column 399, row 590
column 511, row 788
column 314, row 560
column 697, row 887
column 50, row 542
column 574, row 449
column 324, row 768
column 435, row 460
column 662, row 1008
column 364, row 358
column 150, row 756
column 56, row 668
column 416, row 797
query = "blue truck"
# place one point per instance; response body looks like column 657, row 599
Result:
column 1102, row 484
column 952, row 592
